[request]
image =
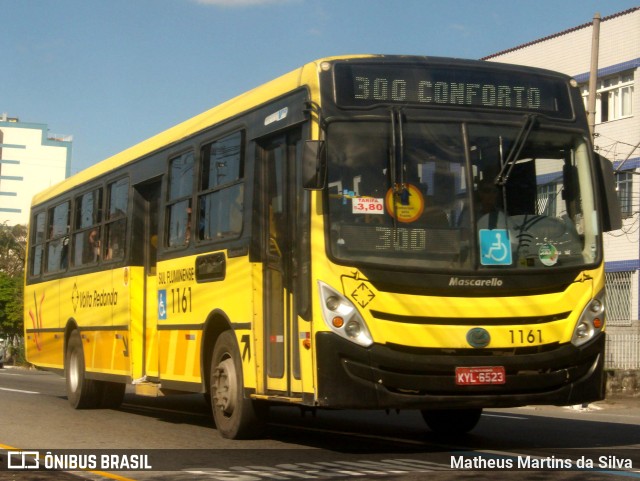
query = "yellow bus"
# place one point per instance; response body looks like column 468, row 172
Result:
column 365, row 232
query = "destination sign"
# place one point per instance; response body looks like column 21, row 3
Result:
column 367, row 85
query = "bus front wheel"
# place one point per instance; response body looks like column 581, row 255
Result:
column 451, row 421
column 235, row 416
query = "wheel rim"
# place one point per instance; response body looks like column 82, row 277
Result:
column 73, row 372
column 225, row 387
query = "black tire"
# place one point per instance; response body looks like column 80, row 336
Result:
column 235, row 416
column 451, row 421
column 112, row 394
column 82, row 393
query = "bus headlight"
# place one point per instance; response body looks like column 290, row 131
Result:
column 591, row 321
column 342, row 317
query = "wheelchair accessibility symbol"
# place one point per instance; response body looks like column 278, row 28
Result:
column 162, row 304
column 495, row 247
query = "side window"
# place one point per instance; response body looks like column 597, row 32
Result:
column 221, row 189
column 37, row 244
column 179, row 201
column 624, row 187
column 115, row 225
column 86, row 237
column 58, row 238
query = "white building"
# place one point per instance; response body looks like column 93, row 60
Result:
column 31, row 160
column 617, row 137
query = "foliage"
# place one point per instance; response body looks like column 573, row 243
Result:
column 13, row 241
column 11, row 321
column 12, row 257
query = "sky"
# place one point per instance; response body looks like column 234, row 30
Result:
column 112, row 73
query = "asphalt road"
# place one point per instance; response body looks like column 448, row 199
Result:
column 177, row 438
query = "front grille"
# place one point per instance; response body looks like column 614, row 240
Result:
column 469, row 321
column 497, row 352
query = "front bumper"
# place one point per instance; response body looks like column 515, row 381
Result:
column 382, row 376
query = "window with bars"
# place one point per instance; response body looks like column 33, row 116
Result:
column 624, row 187
column 618, row 288
column 546, row 199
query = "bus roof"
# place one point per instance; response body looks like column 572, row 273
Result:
column 305, row 75
column 226, row 110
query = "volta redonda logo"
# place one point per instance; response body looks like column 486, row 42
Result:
column 95, row 298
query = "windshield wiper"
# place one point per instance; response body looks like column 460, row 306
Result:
column 397, row 157
column 518, row 144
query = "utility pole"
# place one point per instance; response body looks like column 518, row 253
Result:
column 593, row 74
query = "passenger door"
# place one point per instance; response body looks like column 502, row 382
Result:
column 147, row 198
column 277, row 156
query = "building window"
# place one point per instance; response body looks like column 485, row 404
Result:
column 624, row 188
column 618, row 288
column 614, row 98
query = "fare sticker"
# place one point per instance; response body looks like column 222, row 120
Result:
column 367, row 205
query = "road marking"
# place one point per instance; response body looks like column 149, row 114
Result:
column 324, row 469
column 151, row 409
column 18, row 390
column 346, row 433
column 503, row 416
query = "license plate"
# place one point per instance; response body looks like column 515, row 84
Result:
column 474, row 376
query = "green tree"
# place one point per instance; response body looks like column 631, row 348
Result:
column 13, row 241
column 11, row 317
column 12, row 257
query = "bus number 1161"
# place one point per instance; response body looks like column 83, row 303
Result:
column 181, row 300
column 522, row 337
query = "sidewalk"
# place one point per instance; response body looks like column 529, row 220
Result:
column 619, row 401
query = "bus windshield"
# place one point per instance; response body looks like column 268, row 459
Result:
column 421, row 195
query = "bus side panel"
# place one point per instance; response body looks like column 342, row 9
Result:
column 251, row 376
column 121, row 348
column 132, row 315
column 100, row 306
column 238, row 296
column 188, row 304
column 178, row 338
column 45, row 349
column 44, row 339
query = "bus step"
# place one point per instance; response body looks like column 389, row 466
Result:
column 149, row 389
column 275, row 398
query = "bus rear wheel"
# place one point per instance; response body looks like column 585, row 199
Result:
column 451, row 421
column 112, row 394
column 235, row 416
column 86, row 393
column 82, row 393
